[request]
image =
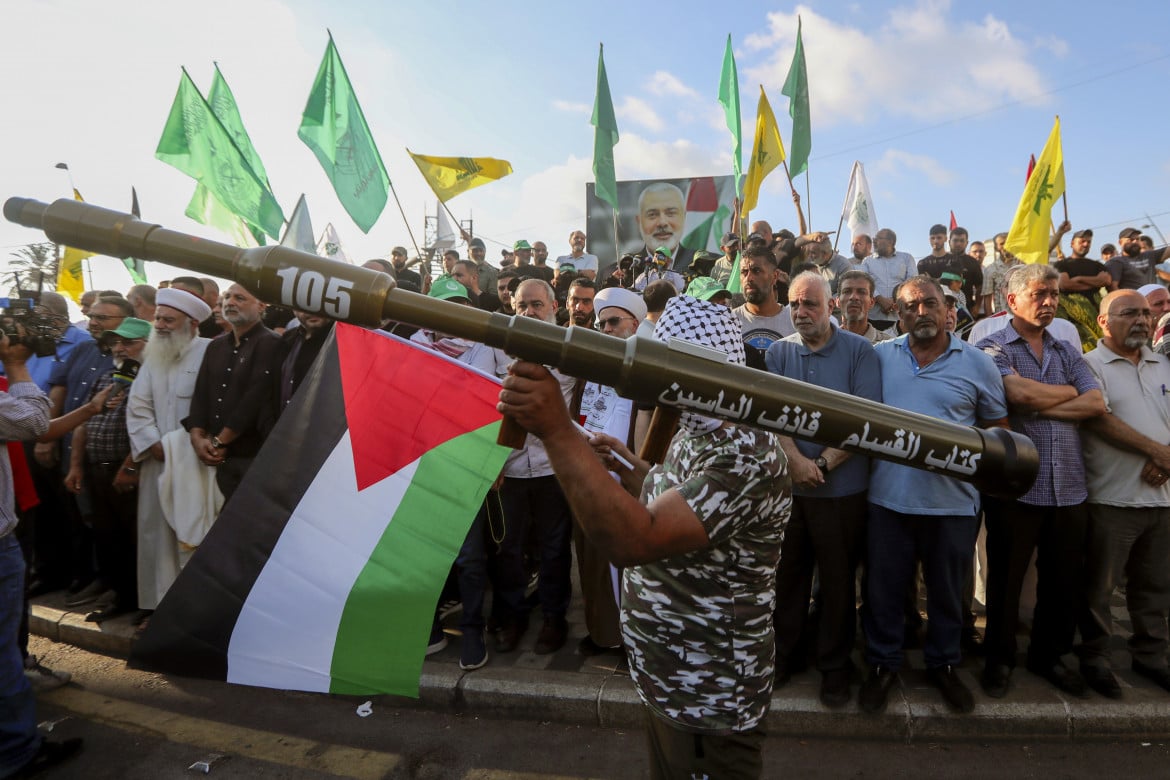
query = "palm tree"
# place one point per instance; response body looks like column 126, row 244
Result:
column 35, row 267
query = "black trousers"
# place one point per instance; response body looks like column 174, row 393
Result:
column 829, row 534
column 1059, row 536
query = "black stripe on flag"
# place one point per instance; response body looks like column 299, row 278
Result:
column 190, row 631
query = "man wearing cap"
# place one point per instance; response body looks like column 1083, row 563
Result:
column 827, row 528
column 659, row 270
column 855, row 300
column 721, row 271
column 1081, row 279
column 707, row 289
column 101, row 461
column 231, row 410
column 699, row 547
column 70, row 386
column 585, row 264
column 487, row 272
column 160, row 398
column 601, row 410
column 1131, row 267
column 401, row 272
column 662, row 213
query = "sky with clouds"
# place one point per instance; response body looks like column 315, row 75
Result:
column 942, row 101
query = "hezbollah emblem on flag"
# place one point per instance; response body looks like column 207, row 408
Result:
column 323, row 571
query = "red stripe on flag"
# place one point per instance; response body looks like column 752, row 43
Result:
column 401, row 401
column 702, row 196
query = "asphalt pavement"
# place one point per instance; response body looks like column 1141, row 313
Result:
column 568, row 687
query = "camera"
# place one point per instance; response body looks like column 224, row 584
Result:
column 23, row 324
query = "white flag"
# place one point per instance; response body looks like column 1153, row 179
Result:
column 858, row 209
column 299, row 233
column 444, row 233
column 330, row 246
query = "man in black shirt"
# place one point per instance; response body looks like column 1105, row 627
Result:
column 956, row 262
column 231, row 409
column 401, row 272
column 299, row 348
column 1131, row 267
column 1079, row 273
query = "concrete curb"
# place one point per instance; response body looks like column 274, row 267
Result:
column 1032, row 710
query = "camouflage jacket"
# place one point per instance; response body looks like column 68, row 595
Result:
column 699, row 626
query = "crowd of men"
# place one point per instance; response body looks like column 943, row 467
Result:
column 160, row 399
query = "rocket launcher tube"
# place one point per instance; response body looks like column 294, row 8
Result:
column 996, row 460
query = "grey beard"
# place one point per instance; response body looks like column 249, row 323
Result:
column 167, row 350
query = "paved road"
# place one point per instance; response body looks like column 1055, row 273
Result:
column 140, row 725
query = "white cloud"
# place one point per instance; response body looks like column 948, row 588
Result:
column 639, row 112
column 897, row 163
column 920, row 61
column 663, row 83
column 573, row 108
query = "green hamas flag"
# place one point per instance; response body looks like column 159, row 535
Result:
column 334, row 127
column 605, row 137
column 729, row 99
column 796, row 88
column 196, row 142
column 204, row 206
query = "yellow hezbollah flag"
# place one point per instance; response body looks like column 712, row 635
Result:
column 69, row 273
column 767, row 153
column 1028, row 238
column 451, row 176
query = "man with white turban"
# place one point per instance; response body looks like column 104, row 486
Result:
column 159, row 398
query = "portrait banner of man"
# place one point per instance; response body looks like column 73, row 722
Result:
column 684, row 215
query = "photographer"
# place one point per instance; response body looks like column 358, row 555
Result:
column 24, row 414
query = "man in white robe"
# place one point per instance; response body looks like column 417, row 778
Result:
column 159, row 398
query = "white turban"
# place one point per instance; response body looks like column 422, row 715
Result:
column 622, row 299
column 188, row 303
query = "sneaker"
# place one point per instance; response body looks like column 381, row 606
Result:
column 438, row 640
column 552, row 636
column 449, row 608
column 42, row 678
column 89, row 593
column 957, row 695
column 474, row 653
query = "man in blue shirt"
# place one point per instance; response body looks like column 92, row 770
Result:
column 1049, row 389
column 915, row 513
column 827, row 526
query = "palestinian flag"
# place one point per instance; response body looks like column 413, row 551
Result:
column 323, row 571
column 706, row 215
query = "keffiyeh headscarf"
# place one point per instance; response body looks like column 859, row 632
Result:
column 707, row 324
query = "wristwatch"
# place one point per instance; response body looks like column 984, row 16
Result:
column 219, row 445
column 822, row 464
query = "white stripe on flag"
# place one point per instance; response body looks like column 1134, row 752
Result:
column 287, row 628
